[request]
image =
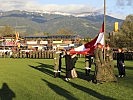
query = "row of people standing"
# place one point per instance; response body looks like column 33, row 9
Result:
column 120, row 60
column 104, row 70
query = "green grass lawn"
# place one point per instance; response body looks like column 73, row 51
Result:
column 32, row 79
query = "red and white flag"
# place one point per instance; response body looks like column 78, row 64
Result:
column 90, row 46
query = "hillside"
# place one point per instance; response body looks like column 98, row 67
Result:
column 36, row 22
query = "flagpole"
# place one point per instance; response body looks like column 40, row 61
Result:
column 104, row 25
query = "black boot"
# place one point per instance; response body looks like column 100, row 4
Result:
column 89, row 72
column 55, row 75
column 59, row 74
column 86, row 72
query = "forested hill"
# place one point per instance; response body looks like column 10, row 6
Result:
column 37, row 22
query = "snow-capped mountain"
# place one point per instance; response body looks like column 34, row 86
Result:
column 82, row 14
column 86, row 23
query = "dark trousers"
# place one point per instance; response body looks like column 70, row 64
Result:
column 121, row 68
column 87, row 72
column 68, row 74
column 88, row 64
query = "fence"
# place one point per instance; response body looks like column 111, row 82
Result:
column 50, row 55
column 33, row 55
column 127, row 55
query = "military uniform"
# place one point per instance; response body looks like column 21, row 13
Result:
column 99, row 68
column 109, row 57
column 88, row 62
column 57, row 63
column 109, row 68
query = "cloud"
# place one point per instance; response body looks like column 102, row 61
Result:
column 120, row 3
column 71, row 8
column 7, row 5
column 34, row 5
column 117, row 15
column 124, row 3
column 130, row 3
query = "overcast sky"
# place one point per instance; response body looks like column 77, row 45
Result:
column 116, row 8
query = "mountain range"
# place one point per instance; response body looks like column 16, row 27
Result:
column 36, row 22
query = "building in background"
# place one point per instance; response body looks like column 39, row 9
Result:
column 51, row 42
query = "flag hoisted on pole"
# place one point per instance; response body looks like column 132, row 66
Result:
column 90, row 46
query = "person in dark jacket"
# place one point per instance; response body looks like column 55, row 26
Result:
column 69, row 66
column 120, row 63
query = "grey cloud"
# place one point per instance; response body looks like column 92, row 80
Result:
column 129, row 2
column 124, row 3
column 120, row 3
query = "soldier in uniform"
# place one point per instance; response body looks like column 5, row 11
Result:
column 99, row 64
column 57, row 62
column 109, row 64
column 88, row 62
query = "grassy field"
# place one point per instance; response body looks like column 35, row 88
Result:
column 32, row 79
